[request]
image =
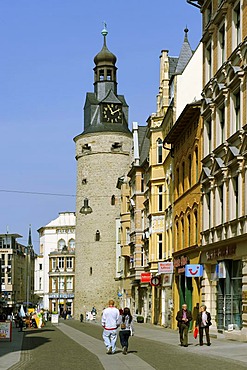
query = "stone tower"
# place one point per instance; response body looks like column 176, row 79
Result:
column 102, row 154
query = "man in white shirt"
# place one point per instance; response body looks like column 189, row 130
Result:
column 109, row 322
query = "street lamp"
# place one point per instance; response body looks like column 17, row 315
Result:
column 58, row 272
column 86, row 209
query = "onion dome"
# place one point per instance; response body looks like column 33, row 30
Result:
column 105, row 57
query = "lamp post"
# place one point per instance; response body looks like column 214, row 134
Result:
column 58, row 272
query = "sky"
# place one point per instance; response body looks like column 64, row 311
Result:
column 46, row 69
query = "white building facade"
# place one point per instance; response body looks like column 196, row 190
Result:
column 57, row 237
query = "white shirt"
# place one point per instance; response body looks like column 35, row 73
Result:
column 204, row 318
column 110, row 318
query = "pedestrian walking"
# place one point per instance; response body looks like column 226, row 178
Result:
column 125, row 322
column 109, row 322
column 203, row 322
column 184, row 318
column 81, row 317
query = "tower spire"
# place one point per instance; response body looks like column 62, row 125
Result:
column 30, row 244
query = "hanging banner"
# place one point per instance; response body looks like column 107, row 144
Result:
column 193, row 270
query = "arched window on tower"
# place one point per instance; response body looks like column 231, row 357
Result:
column 109, row 75
column 101, row 75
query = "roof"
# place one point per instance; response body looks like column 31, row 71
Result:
column 189, row 111
column 144, row 143
column 185, row 54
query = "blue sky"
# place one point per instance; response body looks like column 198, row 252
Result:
column 46, row 68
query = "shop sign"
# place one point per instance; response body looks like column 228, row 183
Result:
column 145, row 277
column 167, row 280
column 193, row 270
column 165, row 267
column 224, row 252
column 180, row 262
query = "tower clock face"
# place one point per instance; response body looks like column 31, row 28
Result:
column 112, row 113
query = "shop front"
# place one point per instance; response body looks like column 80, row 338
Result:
column 223, row 281
column 186, row 289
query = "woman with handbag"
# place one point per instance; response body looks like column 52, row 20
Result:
column 203, row 322
column 126, row 329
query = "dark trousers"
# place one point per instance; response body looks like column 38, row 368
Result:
column 183, row 331
column 124, row 338
column 201, row 334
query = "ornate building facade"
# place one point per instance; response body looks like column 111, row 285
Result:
column 224, row 193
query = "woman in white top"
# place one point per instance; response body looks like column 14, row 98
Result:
column 203, row 322
column 126, row 329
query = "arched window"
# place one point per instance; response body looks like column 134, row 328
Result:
column 197, row 164
column 159, row 150
column 196, row 227
column 72, row 244
column 61, row 243
column 189, row 229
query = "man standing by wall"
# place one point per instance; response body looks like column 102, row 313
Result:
column 109, row 322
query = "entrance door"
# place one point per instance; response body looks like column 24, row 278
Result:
column 229, row 296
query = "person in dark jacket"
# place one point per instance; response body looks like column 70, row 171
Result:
column 203, row 322
column 184, row 318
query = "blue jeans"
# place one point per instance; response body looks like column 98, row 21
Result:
column 110, row 338
column 124, row 338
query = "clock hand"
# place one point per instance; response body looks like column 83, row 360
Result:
column 109, row 108
column 115, row 111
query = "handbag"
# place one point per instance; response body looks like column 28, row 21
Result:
column 123, row 326
column 195, row 332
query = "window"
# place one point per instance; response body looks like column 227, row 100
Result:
column 109, row 75
column 177, row 171
column 71, row 244
column 61, row 283
column 69, row 262
column 69, row 282
column 208, row 136
column 40, row 266
column 101, row 75
column 53, row 263
column 222, row 122
column 61, row 262
column 197, row 164
column 222, row 47
column 236, row 193
column 61, row 244
column 190, row 169
column 182, row 229
column 40, row 283
column 208, row 61
column 221, row 196
column 177, row 235
column 237, row 110
column 159, row 247
column 183, row 176
column 142, row 183
column 208, row 202
column 127, row 235
column 160, row 198
column 196, row 227
column 236, row 37
column 159, row 150
column 53, row 283
column 189, row 229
